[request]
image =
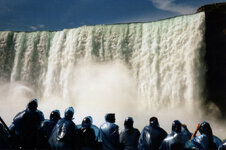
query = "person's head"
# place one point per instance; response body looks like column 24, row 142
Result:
column 91, row 119
column 176, row 126
column 86, row 122
column 128, row 123
column 205, row 129
column 69, row 112
column 33, row 105
column 110, row 117
column 55, row 115
column 154, row 121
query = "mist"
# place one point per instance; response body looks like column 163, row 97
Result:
column 99, row 88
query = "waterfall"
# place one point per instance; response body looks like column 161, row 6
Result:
column 165, row 57
column 136, row 69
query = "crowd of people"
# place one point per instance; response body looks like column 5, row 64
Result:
column 29, row 130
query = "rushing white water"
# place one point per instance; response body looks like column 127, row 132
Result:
column 132, row 69
column 164, row 57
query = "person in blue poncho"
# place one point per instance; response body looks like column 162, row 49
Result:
column 87, row 137
column 129, row 136
column 152, row 136
column 177, row 138
column 46, row 129
column 63, row 134
column 222, row 146
column 205, row 140
column 109, row 133
column 26, row 124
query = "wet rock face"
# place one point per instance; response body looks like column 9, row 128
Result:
column 217, row 7
column 216, row 53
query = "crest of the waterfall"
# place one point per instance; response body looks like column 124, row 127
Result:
column 164, row 58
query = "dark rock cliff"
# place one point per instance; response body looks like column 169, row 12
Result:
column 216, row 53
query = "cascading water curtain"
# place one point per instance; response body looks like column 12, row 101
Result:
column 165, row 57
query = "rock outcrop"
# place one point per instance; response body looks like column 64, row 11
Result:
column 216, row 53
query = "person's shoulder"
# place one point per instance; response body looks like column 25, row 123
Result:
column 162, row 130
column 70, row 122
column 59, row 122
column 19, row 115
column 115, row 126
column 169, row 137
column 94, row 127
column 66, row 123
column 46, row 121
column 144, row 129
column 109, row 125
column 91, row 130
column 201, row 138
column 80, row 130
column 136, row 130
column 122, row 131
column 104, row 125
column 39, row 112
column 147, row 127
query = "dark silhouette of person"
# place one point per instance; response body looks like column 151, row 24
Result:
column 185, row 132
column 95, row 128
column 26, row 124
column 222, row 146
column 151, row 136
column 63, row 134
column 87, row 138
column 176, row 139
column 217, row 141
column 4, row 138
column 129, row 136
column 46, row 129
column 109, row 133
column 205, row 140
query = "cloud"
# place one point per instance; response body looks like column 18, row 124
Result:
column 40, row 26
column 170, row 5
column 33, row 27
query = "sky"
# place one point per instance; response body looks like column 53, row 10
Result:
column 55, row 15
